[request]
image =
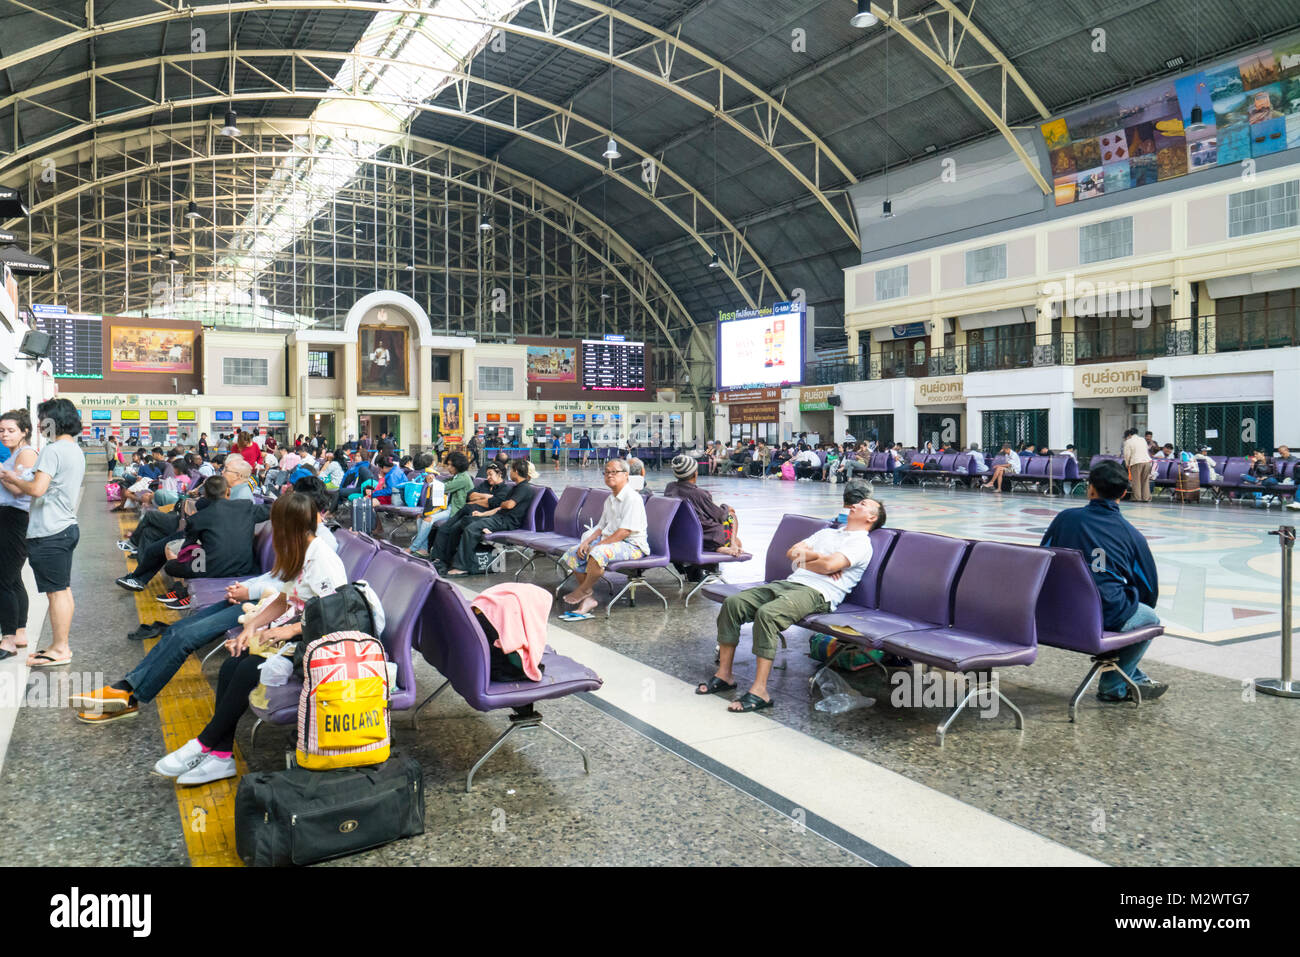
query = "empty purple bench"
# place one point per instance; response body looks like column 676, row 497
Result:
column 569, row 527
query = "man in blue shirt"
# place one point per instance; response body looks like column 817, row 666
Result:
column 1123, row 569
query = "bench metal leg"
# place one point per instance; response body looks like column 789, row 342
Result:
column 415, row 715
column 220, row 645
column 1101, row 665
column 975, row 688
column 252, row 734
column 524, row 718
column 706, row 580
column 633, row 584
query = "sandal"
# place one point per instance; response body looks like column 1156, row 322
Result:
column 42, row 659
column 750, row 702
column 714, row 685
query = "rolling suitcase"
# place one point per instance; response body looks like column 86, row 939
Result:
column 297, row 817
column 363, row 514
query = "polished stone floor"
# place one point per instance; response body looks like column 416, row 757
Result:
column 1206, row 775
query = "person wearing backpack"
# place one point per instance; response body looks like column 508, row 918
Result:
column 309, row 568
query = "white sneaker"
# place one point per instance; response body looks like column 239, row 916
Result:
column 181, row 760
column 1293, row 506
column 210, row 768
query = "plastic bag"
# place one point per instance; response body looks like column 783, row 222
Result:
column 276, row 671
column 838, row 696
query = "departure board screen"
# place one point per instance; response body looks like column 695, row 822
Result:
column 613, row 365
column 76, row 342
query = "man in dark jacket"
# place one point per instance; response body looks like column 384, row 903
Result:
column 713, row 517
column 1123, row 569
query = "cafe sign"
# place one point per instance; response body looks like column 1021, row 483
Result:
column 1103, row 381
column 815, row 398
column 940, row 390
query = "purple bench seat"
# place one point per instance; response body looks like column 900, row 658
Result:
column 552, row 545
column 206, row 591
column 537, row 518
column 686, row 547
column 453, row 642
column 1069, row 617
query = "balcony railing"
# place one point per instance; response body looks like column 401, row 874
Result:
column 1261, row 329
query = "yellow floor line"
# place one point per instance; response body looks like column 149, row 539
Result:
column 184, row 706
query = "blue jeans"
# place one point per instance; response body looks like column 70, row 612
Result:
column 177, row 643
column 1128, row 659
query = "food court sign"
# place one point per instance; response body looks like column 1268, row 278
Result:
column 815, row 398
column 1102, row 381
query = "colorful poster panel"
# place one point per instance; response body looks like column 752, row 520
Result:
column 1228, row 96
column 137, row 349
column 1147, row 106
column 1171, row 148
column 1087, row 154
column 1055, row 134
column 1266, row 119
column 1117, row 176
column 552, row 364
column 1063, row 161
column 1092, row 184
column 1114, row 147
column 1092, row 121
column 449, row 415
column 1199, row 126
column 1258, row 69
column 1066, row 189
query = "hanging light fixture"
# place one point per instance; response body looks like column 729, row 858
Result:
column 611, row 147
column 231, row 128
column 864, row 17
column 887, row 210
column 191, row 210
column 172, row 258
column 611, row 150
column 483, row 224
column 715, row 262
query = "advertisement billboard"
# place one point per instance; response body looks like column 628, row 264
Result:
column 761, row 347
column 136, row 349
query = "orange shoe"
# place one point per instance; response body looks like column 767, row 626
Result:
column 129, row 712
column 107, row 700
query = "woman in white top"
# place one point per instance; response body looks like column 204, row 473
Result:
column 15, row 434
column 308, row 568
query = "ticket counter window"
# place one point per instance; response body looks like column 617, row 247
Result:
column 158, row 433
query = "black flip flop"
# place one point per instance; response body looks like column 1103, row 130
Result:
column 751, row 702
column 714, row 684
column 6, row 654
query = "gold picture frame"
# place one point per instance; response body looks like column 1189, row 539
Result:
column 383, row 361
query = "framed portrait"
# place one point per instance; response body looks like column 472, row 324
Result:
column 382, row 367
column 451, row 415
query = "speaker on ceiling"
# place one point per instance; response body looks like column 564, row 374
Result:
column 35, row 344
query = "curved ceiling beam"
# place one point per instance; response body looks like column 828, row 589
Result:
column 945, row 58
column 554, row 128
column 566, row 212
column 759, row 122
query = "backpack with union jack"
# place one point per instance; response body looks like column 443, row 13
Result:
column 343, row 718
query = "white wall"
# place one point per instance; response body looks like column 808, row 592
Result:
column 1261, row 375
column 896, row 397
column 1050, row 388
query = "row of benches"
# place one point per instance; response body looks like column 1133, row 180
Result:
column 961, row 605
column 423, row 613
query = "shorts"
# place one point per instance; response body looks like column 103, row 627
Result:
column 51, row 559
column 602, row 555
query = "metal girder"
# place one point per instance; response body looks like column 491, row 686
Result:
column 547, row 123
column 944, row 56
column 669, row 63
column 508, row 188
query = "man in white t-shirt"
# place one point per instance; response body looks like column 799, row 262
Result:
column 828, row 566
column 619, row 536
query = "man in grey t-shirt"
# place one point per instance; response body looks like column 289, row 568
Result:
column 52, row 532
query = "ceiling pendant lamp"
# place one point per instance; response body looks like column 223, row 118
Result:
column 191, row 210
column 611, row 150
column 864, row 17
column 231, row 128
column 887, row 210
column 172, row 259
column 715, row 262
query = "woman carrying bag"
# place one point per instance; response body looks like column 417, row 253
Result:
column 15, row 435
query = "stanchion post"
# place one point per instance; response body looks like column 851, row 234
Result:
column 1283, row 687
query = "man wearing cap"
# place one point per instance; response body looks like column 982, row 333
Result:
column 827, row 566
column 721, row 528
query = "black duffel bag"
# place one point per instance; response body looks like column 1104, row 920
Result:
column 296, row 816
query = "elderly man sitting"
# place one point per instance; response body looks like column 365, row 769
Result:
column 619, row 536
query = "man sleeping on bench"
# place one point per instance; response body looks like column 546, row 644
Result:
column 827, row 567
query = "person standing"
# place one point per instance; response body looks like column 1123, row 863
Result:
column 52, row 532
column 110, row 452
column 15, row 437
column 1137, row 460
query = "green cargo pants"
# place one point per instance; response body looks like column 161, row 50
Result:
column 772, row 608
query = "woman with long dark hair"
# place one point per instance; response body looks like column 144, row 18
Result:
column 16, row 435
column 309, row 568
